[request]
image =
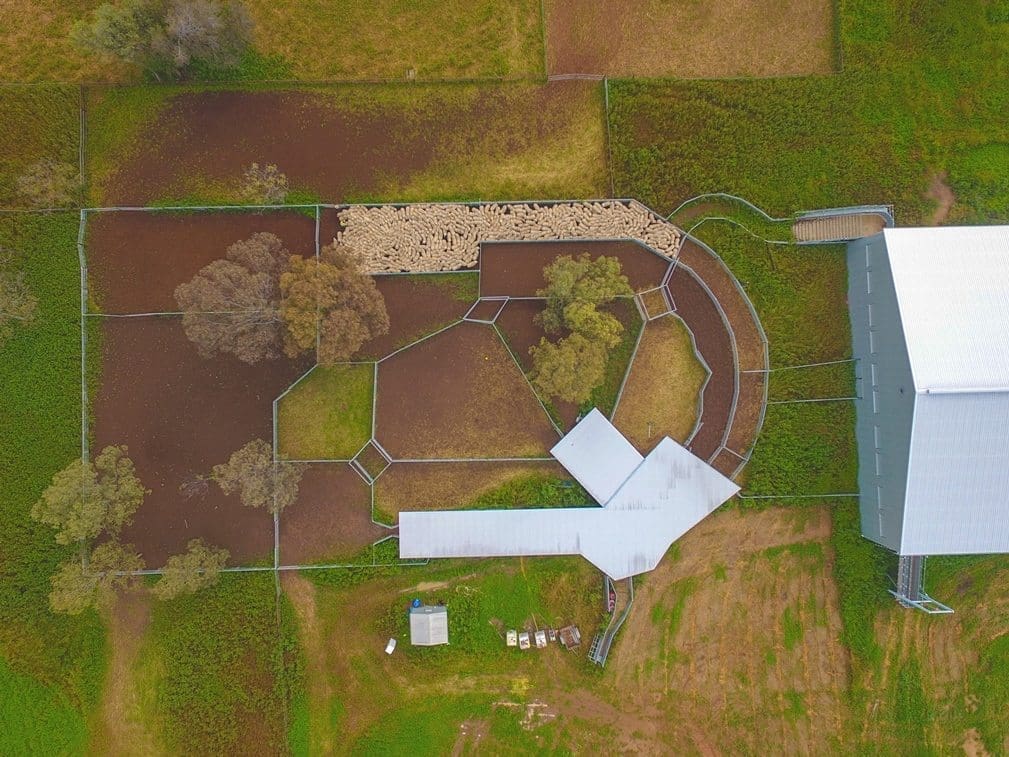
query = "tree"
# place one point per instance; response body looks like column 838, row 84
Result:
column 572, row 367
column 48, row 183
column 198, row 567
column 88, row 498
column 230, row 306
column 585, row 281
column 167, row 36
column 111, row 569
column 330, row 300
column 568, row 369
column 264, row 186
column 258, row 479
column 17, row 304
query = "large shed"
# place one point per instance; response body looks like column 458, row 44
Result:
column 930, row 333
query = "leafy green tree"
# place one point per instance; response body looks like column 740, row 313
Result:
column 124, row 30
column 86, row 499
column 258, row 479
column 17, row 303
column 49, row 183
column 264, row 185
column 583, row 281
column 198, row 567
column 568, row 369
column 329, row 299
column 231, row 306
column 111, row 569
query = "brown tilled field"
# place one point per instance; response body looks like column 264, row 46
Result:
column 690, row 40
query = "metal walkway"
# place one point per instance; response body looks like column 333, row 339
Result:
column 841, row 224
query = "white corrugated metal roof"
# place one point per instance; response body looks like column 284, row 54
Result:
column 597, row 455
column 952, row 287
column 668, row 494
column 428, row 625
column 958, row 475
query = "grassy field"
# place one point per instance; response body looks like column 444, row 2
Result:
column 35, row 123
column 40, row 384
column 37, row 719
column 327, row 416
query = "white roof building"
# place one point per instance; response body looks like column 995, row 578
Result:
column 428, row 625
column 651, row 504
column 930, row 330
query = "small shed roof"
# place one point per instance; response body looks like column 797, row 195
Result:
column 428, row 625
column 597, row 455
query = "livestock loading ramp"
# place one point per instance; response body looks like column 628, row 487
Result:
column 602, row 642
column 841, row 224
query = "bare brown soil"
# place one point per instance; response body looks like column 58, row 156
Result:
column 137, row 258
column 654, row 303
column 690, row 40
column 515, row 269
column 417, row 306
column 942, row 194
column 180, row 415
column 459, row 394
column 448, row 486
column 372, row 461
column 331, row 519
column 697, row 310
column 485, row 310
column 119, row 730
column 725, row 288
column 705, row 655
column 748, row 405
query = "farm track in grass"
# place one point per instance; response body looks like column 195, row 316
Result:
column 350, row 143
column 712, row 40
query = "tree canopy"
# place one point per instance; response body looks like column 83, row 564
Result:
column 76, row 588
column 198, row 567
column 258, row 479
column 329, row 299
column 86, row 499
column 166, row 36
column 570, row 368
column 49, row 184
column 230, row 306
column 264, row 185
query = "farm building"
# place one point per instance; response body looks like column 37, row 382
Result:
column 428, row 625
column 647, row 504
column 930, row 333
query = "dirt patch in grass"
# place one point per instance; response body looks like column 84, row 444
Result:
column 393, row 142
column 419, row 305
column 450, row 486
column 515, row 269
column 120, row 730
column 136, row 259
column 941, row 193
column 327, row 415
column 690, row 40
column 372, row 461
column 459, row 394
column 698, row 312
column 758, row 678
column 180, row 415
column 723, row 285
column 660, row 396
column 331, row 519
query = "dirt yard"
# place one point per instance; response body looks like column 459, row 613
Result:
column 459, row 394
column 180, row 415
column 515, row 269
column 445, row 486
column 407, row 141
column 136, row 259
column 714, row 664
column 331, row 519
column 689, row 39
